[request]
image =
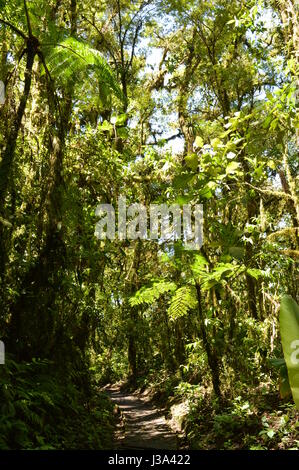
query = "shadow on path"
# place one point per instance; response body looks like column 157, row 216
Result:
column 143, row 426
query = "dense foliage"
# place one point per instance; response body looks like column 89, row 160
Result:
column 178, row 101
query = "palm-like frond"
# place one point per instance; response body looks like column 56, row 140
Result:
column 148, row 295
column 72, row 60
column 182, row 301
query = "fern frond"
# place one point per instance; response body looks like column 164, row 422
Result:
column 148, row 295
column 183, row 300
column 71, row 60
column 199, row 266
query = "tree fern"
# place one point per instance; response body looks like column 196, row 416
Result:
column 182, row 301
column 72, row 60
column 148, row 295
column 221, row 273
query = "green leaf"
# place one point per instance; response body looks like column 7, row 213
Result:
column 182, row 181
column 198, row 142
column 237, row 252
column 192, row 161
column 123, row 132
column 255, row 273
column 105, row 126
column 278, row 362
column 121, row 119
column 232, row 167
column 199, row 265
column 289, row 330
column 272, row 164
column 284, row 384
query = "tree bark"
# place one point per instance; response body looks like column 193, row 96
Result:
column 211, row 355
column 9, row 151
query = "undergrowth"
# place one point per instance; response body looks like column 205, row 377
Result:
column 259, row 420
column 45, row 409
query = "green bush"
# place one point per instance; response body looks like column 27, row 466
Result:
column 44, row 410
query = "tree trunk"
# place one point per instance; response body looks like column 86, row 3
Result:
column 211, row 355
column 9, row 152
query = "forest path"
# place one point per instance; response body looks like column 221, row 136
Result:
column 142, row 426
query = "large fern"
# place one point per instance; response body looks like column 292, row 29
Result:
column 73, row 60
column 148, row 295
column 182, row 301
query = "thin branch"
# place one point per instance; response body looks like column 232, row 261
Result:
column 120, row 25
column 10, row 74
column 138, row 28
column 40, row 55
column 144, row 5
column 14, row 28
column 102, row 36
column 167, row 139
column 270, row 192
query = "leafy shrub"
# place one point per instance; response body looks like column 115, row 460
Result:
column 44, row 410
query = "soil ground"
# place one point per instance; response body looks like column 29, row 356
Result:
column 142, row 425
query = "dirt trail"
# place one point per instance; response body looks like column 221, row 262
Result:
column 143, row 426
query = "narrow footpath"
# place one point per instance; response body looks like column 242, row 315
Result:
column 142, row 426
